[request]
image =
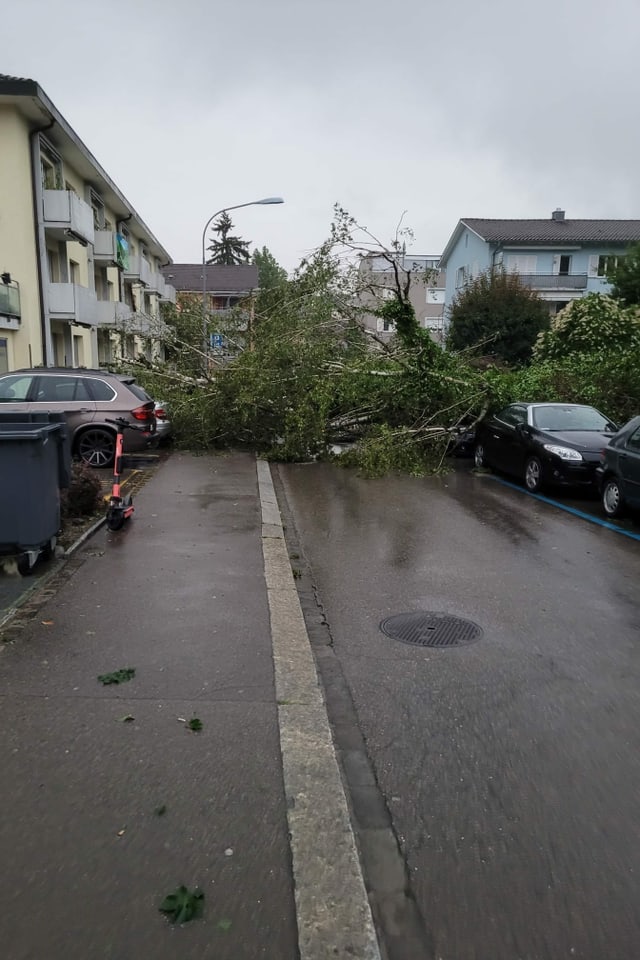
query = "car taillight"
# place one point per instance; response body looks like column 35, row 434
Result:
column 142, row 413
column 602, row 454
column 160, row 413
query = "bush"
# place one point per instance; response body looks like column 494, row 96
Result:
column 84, row 494
column 594, row 323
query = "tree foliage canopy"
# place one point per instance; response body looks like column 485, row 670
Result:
column 499, row 316
column 595, row 323
column 625, row 276
column 227, row 249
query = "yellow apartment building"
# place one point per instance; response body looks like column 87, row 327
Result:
column 80, row 272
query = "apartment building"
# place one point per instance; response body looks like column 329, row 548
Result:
column 80, row 272
column 560, row 258
column 426, row 291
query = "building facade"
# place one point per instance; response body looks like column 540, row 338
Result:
column 377, row 282
column 230, row 301
column 560, row 259
column 81, row 280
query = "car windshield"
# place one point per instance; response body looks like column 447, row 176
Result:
column 557, row 417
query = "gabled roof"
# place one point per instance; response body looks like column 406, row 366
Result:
column 32, row 102
column 220, row 279
column 549, row 232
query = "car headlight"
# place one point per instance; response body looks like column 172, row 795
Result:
column 565, row 453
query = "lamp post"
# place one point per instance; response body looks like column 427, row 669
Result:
column 237, row 206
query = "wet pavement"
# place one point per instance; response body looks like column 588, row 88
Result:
column 14, row 589
column 509, row 767
column 179, row 595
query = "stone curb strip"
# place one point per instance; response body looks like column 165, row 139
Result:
column 333, row 912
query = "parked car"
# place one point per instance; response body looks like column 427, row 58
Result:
column 163, row 423
column 87, row 398
column 619, row 471
column 555, row 444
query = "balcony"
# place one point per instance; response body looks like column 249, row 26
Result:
column 169, row 294
column 112, row 313
column 67, row 217
column 138, row 270
column 9, row 306
column 69, row 301
column 104, row 247
column 156, row 283
column 555, row 281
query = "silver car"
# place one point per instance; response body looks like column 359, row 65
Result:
column 88, row 398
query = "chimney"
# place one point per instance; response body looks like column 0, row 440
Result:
column 557, row 214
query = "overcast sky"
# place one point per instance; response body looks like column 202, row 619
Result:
column 443, row 109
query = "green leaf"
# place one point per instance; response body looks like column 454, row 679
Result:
column 128, row 718
column 224, row 925
column 118, row 676
column 195, row 724
column 183, row 905
column 161, row 810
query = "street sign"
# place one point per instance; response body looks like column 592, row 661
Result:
column 216, row 340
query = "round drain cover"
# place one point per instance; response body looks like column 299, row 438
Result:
column 430, row 629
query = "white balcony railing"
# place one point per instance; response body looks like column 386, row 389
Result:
column 68, row 216
column 70, row 301
column 169, row 295
column 104, row 247
column 111, row 313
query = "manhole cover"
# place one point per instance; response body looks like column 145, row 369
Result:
column 429, row 629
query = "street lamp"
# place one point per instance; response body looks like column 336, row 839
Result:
column 237, row 206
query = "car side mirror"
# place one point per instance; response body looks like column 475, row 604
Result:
column 522, row 429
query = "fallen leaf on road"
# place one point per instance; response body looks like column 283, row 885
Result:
column 161, row 810
column 121, row 832
column 118, row 676
column 183, row 905
column 195, row 724
column 46, row 623
column 126, row 719
column 224, row 925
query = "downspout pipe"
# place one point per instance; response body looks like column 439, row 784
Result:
column 41, row 248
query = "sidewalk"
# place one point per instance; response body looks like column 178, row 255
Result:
column 185, row 596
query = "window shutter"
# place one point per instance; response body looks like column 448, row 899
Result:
column 556, row 264
column 593, row 265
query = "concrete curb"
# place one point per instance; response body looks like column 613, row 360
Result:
column 333, row 912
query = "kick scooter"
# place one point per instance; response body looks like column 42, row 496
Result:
column 120, row 507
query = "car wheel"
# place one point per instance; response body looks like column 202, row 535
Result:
column 96, row 447
column 533, row 475
column 478, row 456
column 612, row 499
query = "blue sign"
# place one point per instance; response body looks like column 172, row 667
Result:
column 216, row 340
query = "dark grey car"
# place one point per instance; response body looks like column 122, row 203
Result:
column 620, row 471
column 88, row 398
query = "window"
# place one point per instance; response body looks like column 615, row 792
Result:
column 385, row 326
column 61, row 389
column 564, row 268
column 50, row 168
column 74, row 271
column 4, row 355
column 100, row 389
column 78, row 350
column 14, row 389
column 98, row 211
column 53, row 261
column 512, row 415
column 606, row 264
column 522, row 263
column 634, row 440
column 462, row 275
column 435, row 295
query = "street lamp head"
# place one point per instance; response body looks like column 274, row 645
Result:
column 270, row 200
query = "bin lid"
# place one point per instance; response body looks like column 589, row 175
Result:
column 27, row 431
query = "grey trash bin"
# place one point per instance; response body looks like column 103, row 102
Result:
column 30, row 468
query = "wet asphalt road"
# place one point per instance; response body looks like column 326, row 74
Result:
column 510, row 767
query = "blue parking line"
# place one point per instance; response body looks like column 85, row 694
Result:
column 576, row 513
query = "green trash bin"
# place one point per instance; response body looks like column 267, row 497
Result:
column 30, row 467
